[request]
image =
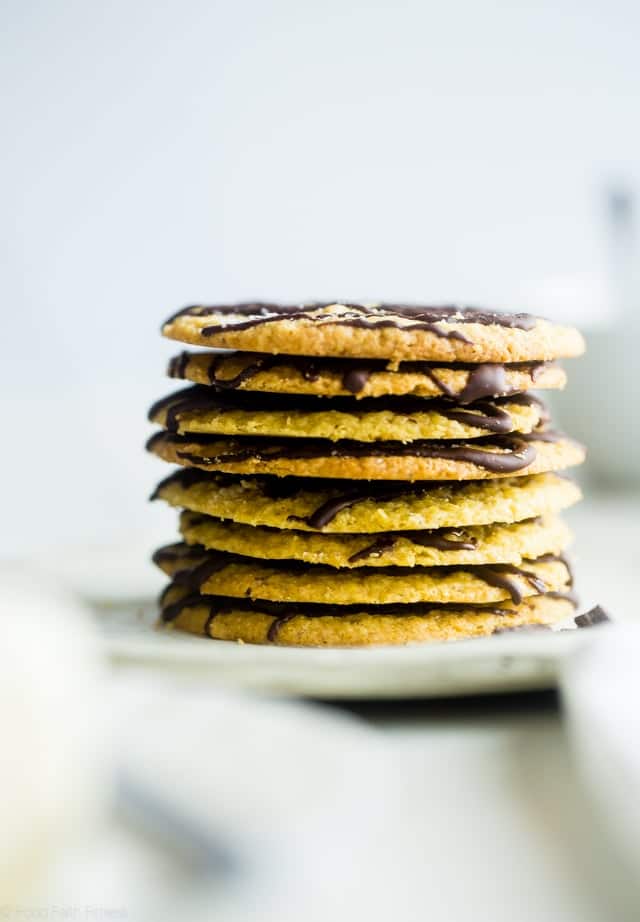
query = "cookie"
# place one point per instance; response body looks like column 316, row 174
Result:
column 387, row 331
column 365, row 508
column 489, row 457
column 349, row 626
column 215, row 572
column 326, row 377
column 479, row 544
column 201, row 410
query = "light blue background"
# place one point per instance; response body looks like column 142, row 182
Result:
column 157, row 154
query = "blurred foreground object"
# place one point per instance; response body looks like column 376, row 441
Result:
column 52, row 726
column 601, row 687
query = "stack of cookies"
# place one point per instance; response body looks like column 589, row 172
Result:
column 364, row 474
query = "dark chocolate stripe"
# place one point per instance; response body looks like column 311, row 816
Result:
column 285, row 612
column 170, row 611
column 376, row 549
column 172, row 553
column 435, row 538
column 596, row 615
column 213, row 612
column 541, row 435
column 498, row 576
column 178, row 365
column 200, row 398
column 481, row 416
column 185, row 477
column 225, row 604
column 358, row 316
column 276, row 624
column 262, row 363
column 502, row 577
column 447, row 538
column 329, row 509
column 514, row 452
column 562, row 558
column 279, row 488
column 215, row 562
column 484, row 380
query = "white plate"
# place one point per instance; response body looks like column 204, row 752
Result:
column 500, row 664
column 504, row 663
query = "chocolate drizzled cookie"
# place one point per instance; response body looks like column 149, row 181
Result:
column 364, row 473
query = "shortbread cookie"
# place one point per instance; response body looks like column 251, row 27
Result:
column 202, row 410
column 340, row 507
column 387, row 331
column 479, row 544
column 327, row 377
column 308, row 625
column 484, row 458
column 215, row 572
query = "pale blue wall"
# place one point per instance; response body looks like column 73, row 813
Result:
column 160, row 153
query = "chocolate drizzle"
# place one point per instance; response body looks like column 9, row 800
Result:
column 568, row 595
column 283, row 612
column 261, row 363
column 490, row 416
column 281, row 488
column 213, row 611
column 215, row 562
column 501, row 577
column 354, row 380
column 442, row 539
column 590, row 618
column 376, row 549
column 541, row 435
column 172, row 553
column 329, row 509
column 178, row 365
column 359, row 316
column 207, row 563
column 510, row 452
column 446, row 539
column 484, row 380
column 483, row 416
column 562, row 558
column 276, row 624
column 185, row 477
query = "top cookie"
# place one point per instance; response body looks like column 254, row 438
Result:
column 390, row 331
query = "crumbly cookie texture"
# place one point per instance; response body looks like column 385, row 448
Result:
column 201, row 410
column 376, row 331
column 362, row 508
column 324, row 377
column 380, row 461
column 479, row 544
column 218, row 618
column 212, row 572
